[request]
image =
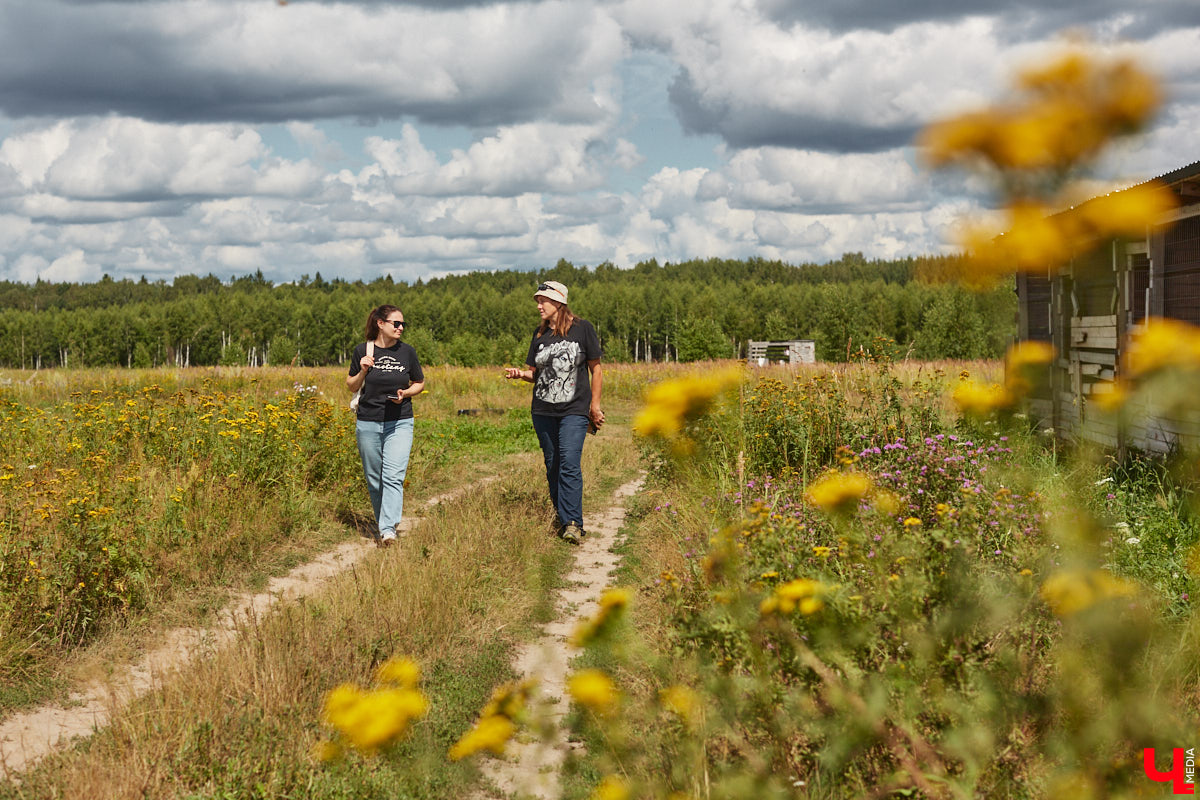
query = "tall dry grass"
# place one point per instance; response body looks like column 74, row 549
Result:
column 472, row 580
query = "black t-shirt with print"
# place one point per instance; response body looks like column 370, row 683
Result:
column 563, row 385
column 395, row 368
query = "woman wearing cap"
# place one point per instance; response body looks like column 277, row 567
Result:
column 389, row 373
column 564, row 367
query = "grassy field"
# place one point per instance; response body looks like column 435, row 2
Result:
column 972, row 613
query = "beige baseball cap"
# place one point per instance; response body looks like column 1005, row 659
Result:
column 553, row 290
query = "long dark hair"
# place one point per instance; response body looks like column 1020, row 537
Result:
column 377, row 316
column 563, row 321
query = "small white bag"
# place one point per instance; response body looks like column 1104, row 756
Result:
column 358, row 394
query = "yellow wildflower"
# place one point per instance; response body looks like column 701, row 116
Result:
column 593, row 690
column 1161, row 343
column 681, row 701
column 669, row 405
column 614, row 598
column 1068, row 592
column 509, row 699
column 838, row 491
column 886, row 502
column 369, row 720
column 821, row 551
column 948, row 140
column 399, row 671
column 1110, row 401
column 612, row 788
column 803, row 593
column 980, row 400
column 1024, row 364
column 1129, row 212
column 612, row 604
column 490, row 733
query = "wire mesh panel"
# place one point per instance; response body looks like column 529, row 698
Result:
column 1037, row 299
column 1139, row 282
column 1181, row 271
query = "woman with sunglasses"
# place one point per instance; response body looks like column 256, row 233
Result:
column 564, row 367
column 389, row 375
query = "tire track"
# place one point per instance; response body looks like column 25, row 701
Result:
column 531, row 768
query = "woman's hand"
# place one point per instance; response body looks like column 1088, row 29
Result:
column 516, row 373
column 366, row 362
column 596, row 416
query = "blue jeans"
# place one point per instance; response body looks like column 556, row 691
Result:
column 561, row 439
column 384, row 448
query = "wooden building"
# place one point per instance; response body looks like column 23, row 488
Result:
column 1085, row 308
column 795, row 351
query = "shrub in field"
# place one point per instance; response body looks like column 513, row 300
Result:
column 913, row 622
column 99, row 494
column 917, row 620
column 795, row 427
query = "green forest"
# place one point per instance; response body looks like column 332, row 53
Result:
column 689, row 311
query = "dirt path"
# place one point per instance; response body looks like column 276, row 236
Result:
column 27, row 737
column 531, row 768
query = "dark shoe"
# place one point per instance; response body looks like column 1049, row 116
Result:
column 572, row 534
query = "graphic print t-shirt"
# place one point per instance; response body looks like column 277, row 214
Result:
column 563, row 386
column 395, row 367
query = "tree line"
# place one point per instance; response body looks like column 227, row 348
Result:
column 692, row 310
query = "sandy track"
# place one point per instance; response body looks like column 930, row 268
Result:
column 531, row 768
column 27, row 737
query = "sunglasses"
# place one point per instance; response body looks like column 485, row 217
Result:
column 396, row 323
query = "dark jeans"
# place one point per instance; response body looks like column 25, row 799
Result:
column 561, row 439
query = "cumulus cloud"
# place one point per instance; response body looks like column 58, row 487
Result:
column 516, row 160
column 209, row 60
column 116, row 168
column 798, row 180
column 426, row 137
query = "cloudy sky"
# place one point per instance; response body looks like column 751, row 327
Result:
column 424, row 137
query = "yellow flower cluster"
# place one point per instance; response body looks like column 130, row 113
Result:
column 613, row 603
column 1063, row 114
column 1061, row 117
column 613, row 787
column 838, row 492
column 1024, row 365
column 1068, row 592
column 369, row 719
column 978, row 399
column 1024, row 362
column 804, row 594
column 1158, row 344
column 681, row 701
column 1032, row 237
column 497, row 723
column 594, row 690
column 671, row 404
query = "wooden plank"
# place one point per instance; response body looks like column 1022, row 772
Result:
column 1107, row 359
column 1094, row 339
column 1107, row 321
column 1101, row 425
column 1102, row 439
